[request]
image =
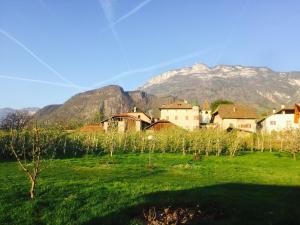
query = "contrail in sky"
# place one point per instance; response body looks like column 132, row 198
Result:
column 107, row 7
column 153, row 67
column 38, row 81
column 36, row 57
column 131, row 12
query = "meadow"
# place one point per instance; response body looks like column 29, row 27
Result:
column 97, row 178
column 253, row 188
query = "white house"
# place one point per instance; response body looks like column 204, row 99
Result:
column 182, row 114
column 287, row 118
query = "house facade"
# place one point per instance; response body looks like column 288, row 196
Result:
column 287, row 118
column 131, row 121
column 205, row 114
column 234, row 116
column 182, row 114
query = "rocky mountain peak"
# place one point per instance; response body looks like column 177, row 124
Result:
column 258, row 86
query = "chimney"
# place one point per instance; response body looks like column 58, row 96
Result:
column 134, row 109
column 274, row 111
column 282, row 106
column 185, row 101
column 234, row 109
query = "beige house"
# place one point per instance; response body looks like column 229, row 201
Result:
column 131, row 121
column 182, row 114
column 233, row 116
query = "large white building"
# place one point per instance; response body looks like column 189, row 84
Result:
column 287, row 118
column 182, row 114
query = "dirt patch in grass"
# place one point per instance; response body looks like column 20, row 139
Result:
column 172, row 215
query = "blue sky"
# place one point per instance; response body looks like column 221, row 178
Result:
column 53, row 49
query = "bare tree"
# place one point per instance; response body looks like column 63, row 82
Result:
column 16, row 120
column 31, row 161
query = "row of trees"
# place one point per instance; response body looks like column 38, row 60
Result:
column 204, row 142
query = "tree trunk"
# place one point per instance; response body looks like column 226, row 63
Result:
column 32, row 189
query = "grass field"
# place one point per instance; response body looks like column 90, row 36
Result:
column 252, row 188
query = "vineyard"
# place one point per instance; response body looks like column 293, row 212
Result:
column 57, row 143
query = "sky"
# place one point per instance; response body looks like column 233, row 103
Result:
column 53, row 49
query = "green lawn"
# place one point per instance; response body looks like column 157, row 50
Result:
column 252, row 188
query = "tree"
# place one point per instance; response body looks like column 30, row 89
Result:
column 16, row 120
column 37, row 144
column 214, row 105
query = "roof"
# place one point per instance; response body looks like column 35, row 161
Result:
column 292, row 109
column 159, row 122
column 235, row 111
column 177, row 105
column 138, row 112
column 289, row 108
column 122, row 115
column 127, row 116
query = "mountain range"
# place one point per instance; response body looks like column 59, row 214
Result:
column 260, row 87
column 108, row 100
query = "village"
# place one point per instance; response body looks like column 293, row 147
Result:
column 192, row 117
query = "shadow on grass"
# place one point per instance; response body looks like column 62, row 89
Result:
column 239, row 203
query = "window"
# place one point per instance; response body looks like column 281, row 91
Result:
column 139, row 116
column 176, row 117
column 272, row 123
column 196, row 117
column 186, row 117
column 247, row 125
